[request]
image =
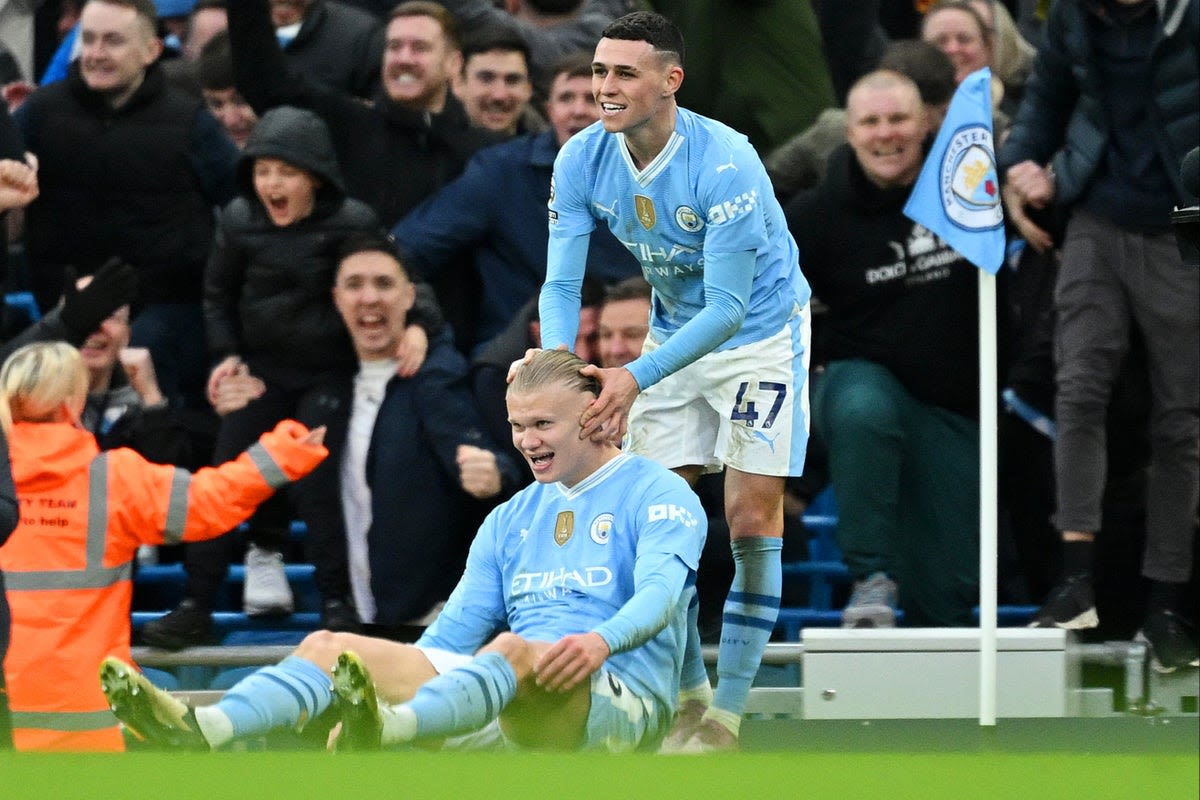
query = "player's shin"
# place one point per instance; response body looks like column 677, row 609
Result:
column 751, row 610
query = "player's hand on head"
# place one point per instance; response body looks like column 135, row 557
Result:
column 520, row 362
column 570, row 661
column 607, row 417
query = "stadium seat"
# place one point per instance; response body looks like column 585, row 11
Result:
column 161, row 586
column 824, row 570
column 162, row 679
column 23, row 303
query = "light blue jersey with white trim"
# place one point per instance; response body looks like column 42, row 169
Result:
column 707, row 193
column 554, row 561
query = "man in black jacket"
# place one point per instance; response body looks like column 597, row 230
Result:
column 331, row 43
column 895, row 394
column 129, row 167
column 396, row 151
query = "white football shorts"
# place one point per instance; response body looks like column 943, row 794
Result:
column 746, row 407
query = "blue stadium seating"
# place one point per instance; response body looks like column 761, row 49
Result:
column 24, row 303
column 824, row 570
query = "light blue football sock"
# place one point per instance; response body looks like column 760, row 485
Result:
column 693, row 677
column 749, row 617
column 285, row 695
column 464, row 699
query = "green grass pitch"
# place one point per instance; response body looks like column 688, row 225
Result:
column 482, row 776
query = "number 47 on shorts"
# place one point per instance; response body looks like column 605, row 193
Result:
column 747, row 410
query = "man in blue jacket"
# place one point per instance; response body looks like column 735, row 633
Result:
column 417, row 451
column 1108, row 114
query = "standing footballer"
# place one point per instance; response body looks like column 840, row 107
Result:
column 723, row 375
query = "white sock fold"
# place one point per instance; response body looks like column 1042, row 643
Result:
column 399, row 724
column 215, row 725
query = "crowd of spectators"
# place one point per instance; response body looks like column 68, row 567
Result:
column 197, row 195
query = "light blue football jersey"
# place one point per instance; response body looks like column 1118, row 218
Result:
column 707, row 192
column 553, row 561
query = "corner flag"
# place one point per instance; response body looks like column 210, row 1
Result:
column 957, row 195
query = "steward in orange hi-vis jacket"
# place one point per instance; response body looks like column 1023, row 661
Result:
column 69, row 563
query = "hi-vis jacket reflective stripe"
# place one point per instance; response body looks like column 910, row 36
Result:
column 69, row 562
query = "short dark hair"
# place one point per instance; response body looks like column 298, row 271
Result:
column 555, row 6
column 647, row 26
column 928, row 67
column 374, row 241
column 143, row 8
column 632, row 288
column 573, row 65
column 504, row 38
column 214, row 67
column 435, row 11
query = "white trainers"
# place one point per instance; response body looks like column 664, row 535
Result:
column 266, row 591
column 872, row 603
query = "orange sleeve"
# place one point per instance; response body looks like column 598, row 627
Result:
column 190, row 507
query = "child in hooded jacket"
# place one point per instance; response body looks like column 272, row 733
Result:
column 269, row 314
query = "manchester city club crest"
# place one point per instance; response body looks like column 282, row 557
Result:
column 970, row 189
column 688, row 219
column 601, row 528
column 644, row 207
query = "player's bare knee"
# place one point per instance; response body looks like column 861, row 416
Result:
column 322, row 647
column 518, row 651
column 751, row 523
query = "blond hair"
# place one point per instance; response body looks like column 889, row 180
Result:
column 38, row 379
column 1012, row 53
column 548, row 367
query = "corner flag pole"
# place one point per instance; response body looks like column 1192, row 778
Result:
column 957, row 196
column 988, row 500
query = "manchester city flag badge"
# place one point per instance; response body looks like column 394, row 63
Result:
column 957, row 195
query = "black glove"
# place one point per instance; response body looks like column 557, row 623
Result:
column 112, row 286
